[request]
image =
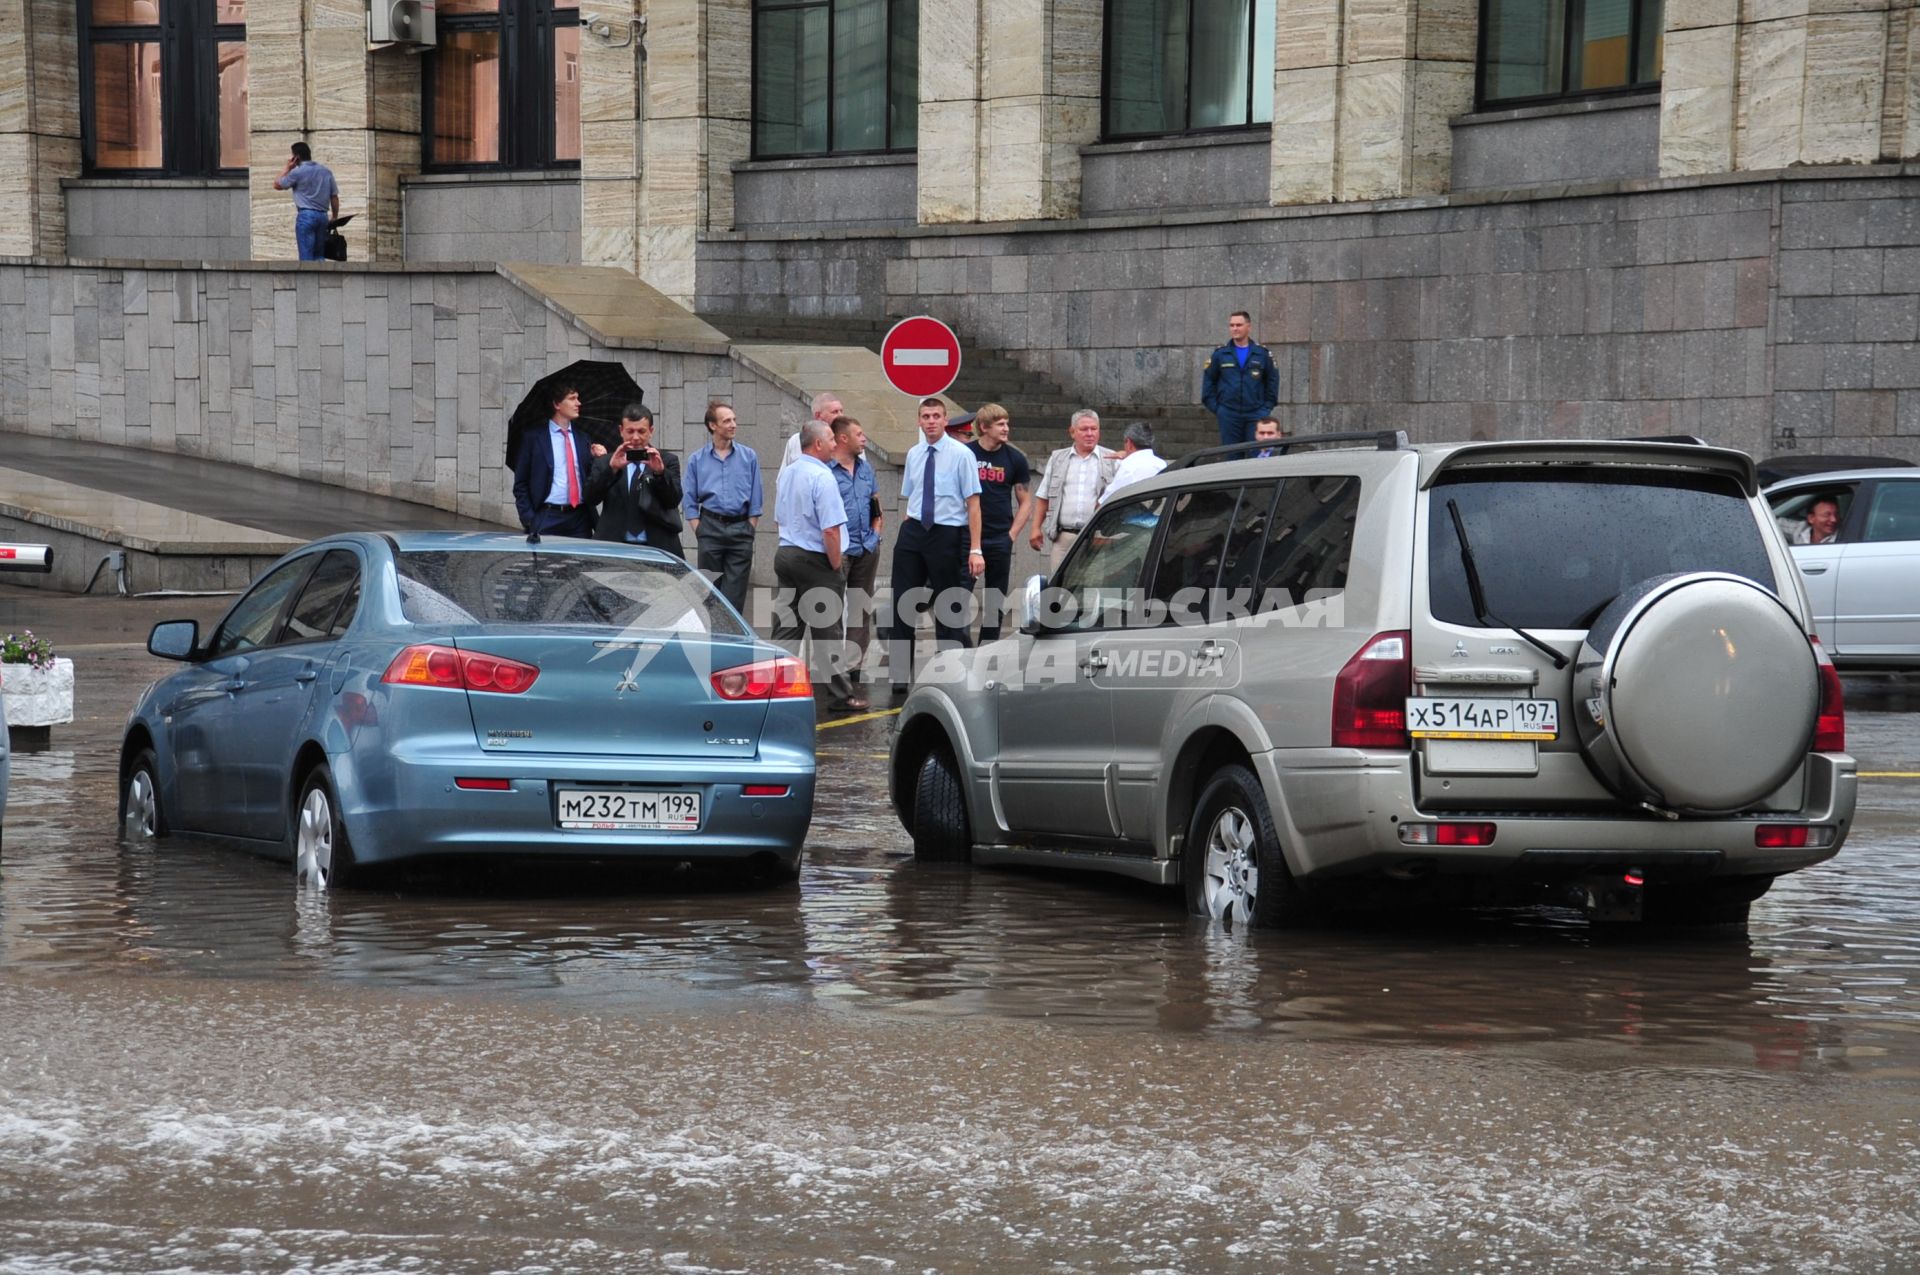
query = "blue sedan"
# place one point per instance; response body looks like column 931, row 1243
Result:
column 376, row 698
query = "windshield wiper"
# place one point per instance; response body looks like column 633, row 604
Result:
column 1478, row 594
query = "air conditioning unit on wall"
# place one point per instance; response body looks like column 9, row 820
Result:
column 400, row 22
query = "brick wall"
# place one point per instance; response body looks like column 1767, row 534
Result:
column 1738, row 310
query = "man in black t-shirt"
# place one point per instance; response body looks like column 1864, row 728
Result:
column 1004, row 476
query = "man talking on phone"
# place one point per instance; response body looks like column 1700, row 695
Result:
column 638, row 488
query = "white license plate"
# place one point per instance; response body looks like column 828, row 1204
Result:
column 1483, row 718
column 628, row 810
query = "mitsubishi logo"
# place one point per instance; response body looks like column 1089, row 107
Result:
column 1460, row 649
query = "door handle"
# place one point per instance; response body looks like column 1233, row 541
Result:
column 1814, row 569
column 1212, row 650
column 235, row 685
column 1093, row 663
column 305, row 676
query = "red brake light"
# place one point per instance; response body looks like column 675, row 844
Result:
column 1781, row 836
column 1464, row 834
column 429, row 665
column 1830, row 729
column 765, row 790
column 1370, row 695
column 484, row 785
column 782, row 678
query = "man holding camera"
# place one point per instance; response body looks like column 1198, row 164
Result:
column 638, row 488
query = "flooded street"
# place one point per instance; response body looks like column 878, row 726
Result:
column 897, row 1067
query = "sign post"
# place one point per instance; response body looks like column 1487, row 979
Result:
column 921, row 356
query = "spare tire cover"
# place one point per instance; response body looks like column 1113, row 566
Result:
column 1696, row 692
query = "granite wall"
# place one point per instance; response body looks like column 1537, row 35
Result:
column 1594, row 139
column 374, row 378
column 168, row 220
column 1765, row 312
column 484, row 217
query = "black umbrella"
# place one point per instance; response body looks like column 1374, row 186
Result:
column 605, row 390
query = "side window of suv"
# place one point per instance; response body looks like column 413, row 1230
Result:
column 1309, row 540
column 1192, row 552
column 1104, row 571
column 1896, row 512
column 256, row 617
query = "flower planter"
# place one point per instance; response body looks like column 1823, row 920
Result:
column 37, row 700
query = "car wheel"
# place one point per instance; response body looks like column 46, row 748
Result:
column 1233, row 870
column 141, row 818
column 940, row 830
column 322, row 857
column 1721, row 902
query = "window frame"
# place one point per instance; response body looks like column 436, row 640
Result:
column 527, row 141
column 189, row 39
column 1571, row 31
column 1108, row 63
column 298, row 570
column 348, row 600
column 762, row 7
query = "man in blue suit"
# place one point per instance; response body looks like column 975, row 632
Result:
column 550, row 474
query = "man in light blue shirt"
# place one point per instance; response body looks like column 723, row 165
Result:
column 938, row 551
column 860, row 563
column 721, row 499
column 316, row 200
column 810, row 601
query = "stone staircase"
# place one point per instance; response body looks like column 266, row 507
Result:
column 1039, row 405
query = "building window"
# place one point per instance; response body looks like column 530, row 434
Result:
column 1532, row 50
column 164, row 86
column 503, row 86
column 835, row 76
column 1187, row 66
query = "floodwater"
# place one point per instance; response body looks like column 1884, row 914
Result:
column 898, row 1067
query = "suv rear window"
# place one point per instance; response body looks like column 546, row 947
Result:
column 1554, row 547
column 479, row 586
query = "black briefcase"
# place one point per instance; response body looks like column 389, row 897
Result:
column 335, row 247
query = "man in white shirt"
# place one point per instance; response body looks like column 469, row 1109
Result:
column 826, row 406
column 1070, row 487
column 938, row 549
column 1137, row 461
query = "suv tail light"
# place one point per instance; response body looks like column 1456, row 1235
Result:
column 782, row 678
column 1830, row 728
column 430, row 665
column 1370, row 695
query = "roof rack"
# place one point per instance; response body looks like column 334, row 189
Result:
column 1385, row 440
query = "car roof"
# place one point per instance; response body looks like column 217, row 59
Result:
column 1832, row 477
column 466, row 541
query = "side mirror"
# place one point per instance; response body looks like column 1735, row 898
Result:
column 1030, row 603
column 174, row 639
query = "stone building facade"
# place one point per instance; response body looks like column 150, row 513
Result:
column 1721, row 240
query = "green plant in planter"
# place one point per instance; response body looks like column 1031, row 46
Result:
column 25, row 648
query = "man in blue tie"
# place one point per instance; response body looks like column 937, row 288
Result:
column 637, row 488
column 938, row 551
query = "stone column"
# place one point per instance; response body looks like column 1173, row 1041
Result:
column 39, row 124
column 697, row 99
column 1788, row 82
column 610, row 138
column 1362, row 94
column 1009, row 92
column 311, row 77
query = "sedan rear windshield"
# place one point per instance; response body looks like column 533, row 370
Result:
column 485, row 586
column 1555, row 546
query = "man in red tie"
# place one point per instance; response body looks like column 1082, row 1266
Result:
column 550, row 474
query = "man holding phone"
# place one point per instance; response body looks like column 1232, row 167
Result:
column 638, row 488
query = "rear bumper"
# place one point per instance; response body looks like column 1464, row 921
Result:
column 1339, row 813
column 428, row 815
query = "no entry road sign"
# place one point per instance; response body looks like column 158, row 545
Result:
column 921, row 356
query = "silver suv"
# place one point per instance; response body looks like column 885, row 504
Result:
column 1579, row 672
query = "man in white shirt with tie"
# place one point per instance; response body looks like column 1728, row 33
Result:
column 937, row 552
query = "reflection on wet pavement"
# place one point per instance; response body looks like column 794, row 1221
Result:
column 1098, row 986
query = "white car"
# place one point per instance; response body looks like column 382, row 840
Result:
column 1863, row 580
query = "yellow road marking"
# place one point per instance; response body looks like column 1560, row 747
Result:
column 854, row 721
column 1890, row 774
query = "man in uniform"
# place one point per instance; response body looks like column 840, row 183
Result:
column 1240, row 383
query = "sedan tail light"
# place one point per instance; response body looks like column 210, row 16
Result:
column 431, row 665
column 782, row 678
column 1830, row 728
column 1370, row 695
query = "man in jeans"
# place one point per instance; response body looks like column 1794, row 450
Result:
column 1003, row 482
column 1071, row 486
column 860, row 563
column 316, row 200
